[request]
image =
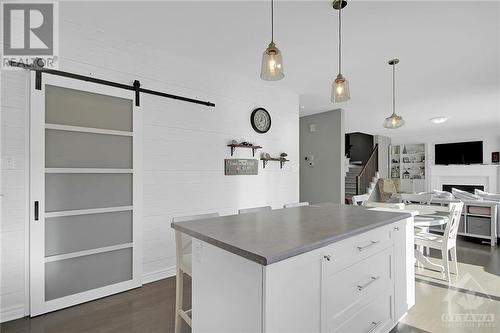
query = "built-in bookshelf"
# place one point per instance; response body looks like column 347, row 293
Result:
column 407, row 163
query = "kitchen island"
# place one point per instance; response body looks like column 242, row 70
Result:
column 322, row 268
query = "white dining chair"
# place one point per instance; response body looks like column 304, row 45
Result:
column 421, row 198
column 359, row 200
column 447, row 243
column 296, row 204
column 183, row 256
column 254, row 209
column 392, row 205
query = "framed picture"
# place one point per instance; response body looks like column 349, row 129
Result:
column 495, row 157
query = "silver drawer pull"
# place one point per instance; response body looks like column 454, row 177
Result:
column 361, row 248
column 374, row 326
column 327, row 257
column 372, row 279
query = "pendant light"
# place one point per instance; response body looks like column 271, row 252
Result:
column 272, row 63
column 394, row 121
column 340, row 86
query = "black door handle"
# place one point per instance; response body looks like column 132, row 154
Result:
column 36, row 210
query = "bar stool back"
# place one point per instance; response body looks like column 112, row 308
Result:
column 183, row 256
column 254, row 209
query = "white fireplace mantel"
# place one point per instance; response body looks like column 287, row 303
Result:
column 486, row 175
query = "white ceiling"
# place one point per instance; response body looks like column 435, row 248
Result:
column 449, row 51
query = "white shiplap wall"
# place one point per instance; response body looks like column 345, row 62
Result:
column 13, row 190
column 184, row 148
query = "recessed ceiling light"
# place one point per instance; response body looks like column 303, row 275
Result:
column 438, row 120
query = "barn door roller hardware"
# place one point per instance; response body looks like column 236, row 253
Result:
column 135, row 87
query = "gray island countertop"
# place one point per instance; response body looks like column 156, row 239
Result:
column 270, row 236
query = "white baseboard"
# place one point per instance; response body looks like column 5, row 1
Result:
column 158, row 275
column 14, row 312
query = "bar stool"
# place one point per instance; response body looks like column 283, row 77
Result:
column 183, row 257
column 254, row 210
column 296, row 204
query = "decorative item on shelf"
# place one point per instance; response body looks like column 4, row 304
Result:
column 495, row 157
column 260, row 120
column 272, row 62
column 406, row 174
column 234, row 144
column 265, row 157
column 340, row 86
column 404, row 150
column 394, row 121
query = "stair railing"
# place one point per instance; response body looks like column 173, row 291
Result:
column 368, row 172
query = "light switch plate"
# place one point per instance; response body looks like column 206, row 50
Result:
column 8, row 163
column 240, row 166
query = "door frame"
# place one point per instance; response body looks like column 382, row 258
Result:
column 38, row 305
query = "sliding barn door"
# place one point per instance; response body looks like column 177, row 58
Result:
column 85, row 193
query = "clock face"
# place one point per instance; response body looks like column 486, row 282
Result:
column 261, row 120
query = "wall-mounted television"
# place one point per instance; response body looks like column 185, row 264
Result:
column 459, row 153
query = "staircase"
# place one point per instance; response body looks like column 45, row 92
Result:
column 361, row 179
column 350, row 181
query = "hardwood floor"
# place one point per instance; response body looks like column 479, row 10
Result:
column 151, row 308
column 146, row 309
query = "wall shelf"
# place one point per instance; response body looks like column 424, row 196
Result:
column 233, row 147
column 282, row 161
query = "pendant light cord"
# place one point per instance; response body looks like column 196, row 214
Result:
column 272, row 21
column 394, row 89
column 340, row 36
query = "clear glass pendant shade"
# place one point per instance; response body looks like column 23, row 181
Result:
column 272, row 64
column 340, row 90
column 394, row 121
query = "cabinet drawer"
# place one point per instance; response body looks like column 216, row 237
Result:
column 478, row 225
column 354, row 249
column 346, row 292
column 374, row 317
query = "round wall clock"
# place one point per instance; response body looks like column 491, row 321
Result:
column 260, row 120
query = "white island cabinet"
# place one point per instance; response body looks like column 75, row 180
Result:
column 338, row 273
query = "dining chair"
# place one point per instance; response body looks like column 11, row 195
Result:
column 446, row 243
column 359, row 200
column 254, row 209
column 422, row 198
column 374, row 204
column 183, row 257
column 296, row 204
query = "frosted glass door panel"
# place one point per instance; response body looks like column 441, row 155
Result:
column 68, row 234
column 85, row 191
column 66, row 149
column 71, row 276
column 66, row 106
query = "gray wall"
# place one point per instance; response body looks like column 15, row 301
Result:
column 383, row 154
column 324, row 182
